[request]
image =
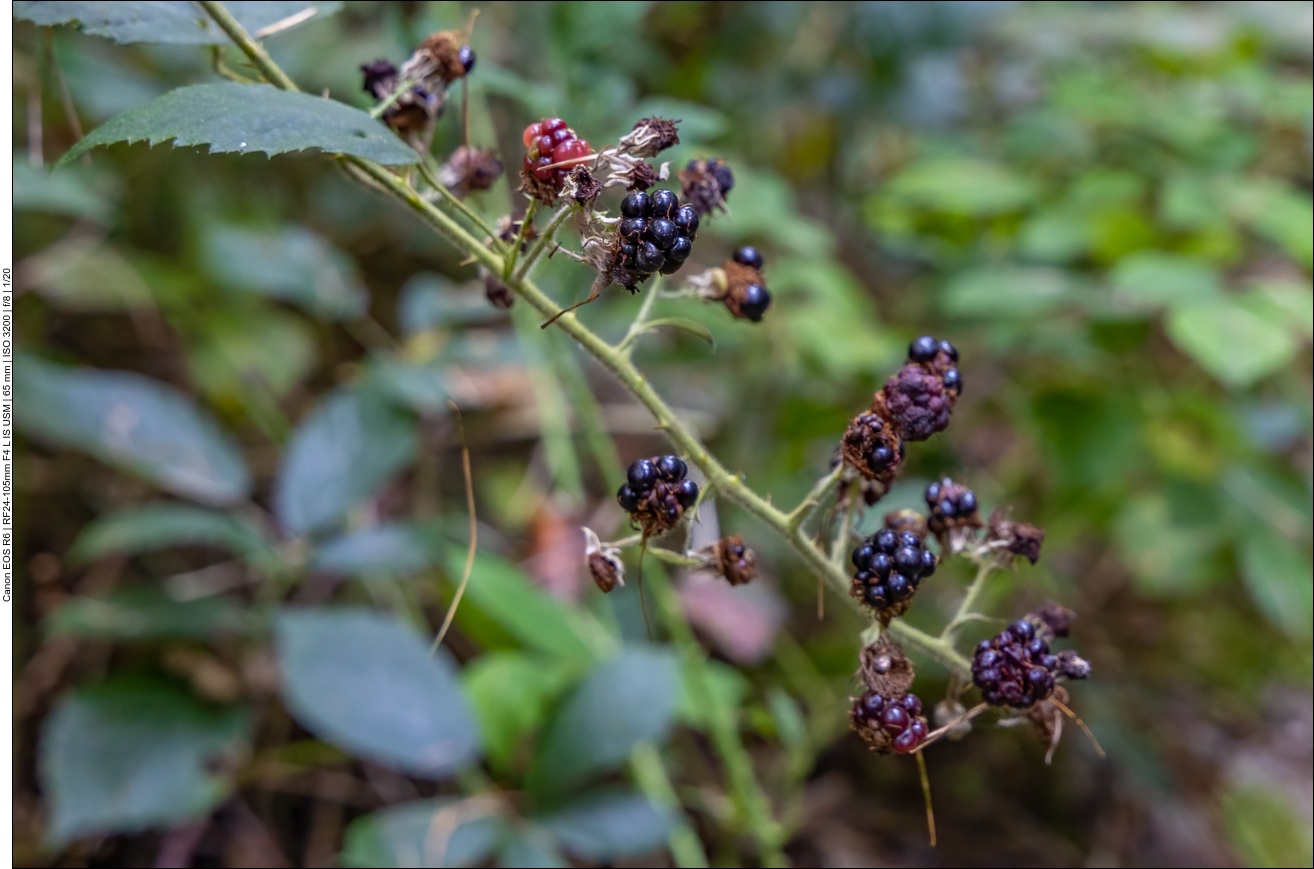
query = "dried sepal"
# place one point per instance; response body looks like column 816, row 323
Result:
column 581, row 186
column 906, row 520
column 1053, row 619
column 872, row 445
column 705, row 184
column 650, row 137
column 735, row 561
column 439, row 60
column 470, row 169
column 1018, row 538
column 604, row 562
column 885, row 668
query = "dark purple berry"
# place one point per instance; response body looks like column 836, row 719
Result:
column 466, row 56
column 967, row 503
column 907, row 742
column 907, row 538
column 983, row 645
column 637, row 204
column 949, row 350
column 680, row 250
column 664, row 203
column 908, row 561
column 633, row 228
column 662, row 232
column 749, row 256
column 1037, row 647
column 642, row 474
column 894, row 719
column 952, row 380
column 1049, row 662
column 881, row 456
column 932, row 494
column 918, row 726
column 882, row 564
column 912, row 704
column 987, row 657
column 886, row 540
column 755, row 302
column 627, row 252
column 872, row 703
column 627, row 499
column 876, row 597
column 725, row 179
column 897, row 586
column 863, row 576
column 988, row 676
column 686, row 220
column 923, row 349
column 1022, row 630
column 929, row 563
column 862, row 556
column 648, row 258
column 686, row 492
column 672, row 468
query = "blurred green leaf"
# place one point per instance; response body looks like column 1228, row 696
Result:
column 393, row 548
column 163, row 524
column 626, row 700
column 162, row 21
column 1278, row 212
column 342, row 452
column 1265, row 829
column 604, row 826
column 68, row 193
column 146, row 613
column 237, row 354
column 430, row 301
column 286, row 262
column 1277, row 575
column 529, row 847
column 511, row 693
column 367, row 684
column 1007, row 292
column 416, row 386
column 249, row 118
column 1167, row 557
column 728, row 684
column 439, row 832
column 1287, row 303
column 84, row 274
column 506, row 595
column 134, row 422
column 127, row 756
column 1151, row 279
column 1231, row 341
column 830, row 317
column 961, row 186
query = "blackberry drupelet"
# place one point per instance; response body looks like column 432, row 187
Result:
column 951, row 506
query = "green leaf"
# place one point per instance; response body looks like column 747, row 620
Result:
column 367, row 684
column 240, row 356
column 1230, row 341
column 961, row 186
column 1167, row 558
column 286, row 262
column 67, row 193
column 511, row 693
column 170, row 23
column 1152, row 279
column 1277, row 211
column 83, row 274
column 1266, row 829
column 502, row 592
column 125, row 756
column 624, row 701
column 430, row 301
column 728, row 684
column 438, row 832
column 145, row 613
column 1277, row 575
column 163, row 524
column 392, row 548
column 530, row 847
column 133, row 422
column 1007, row 292
column 418, row 387
column 606, row 825
column 249, row 118
column 348, row 447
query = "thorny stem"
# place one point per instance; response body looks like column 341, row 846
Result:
column 525, row 222
column 253, row 49
column 431, row 176
column 965, row 611
column 843, row 533
column 813, row 499
column 626, row 345
column 544, row 242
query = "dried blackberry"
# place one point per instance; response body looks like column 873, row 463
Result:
column 705, row 184
column 499, row 295
column 1018, row 538
column 603, row 561
column 656, row 493
column 1016, row 668
column 470, row 169
column 890, row 566
column 872, row 445
column 920, row 397
column 735, row 561
column 745, row 294
column 951, row 507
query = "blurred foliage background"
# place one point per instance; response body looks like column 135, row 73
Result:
column 1105, row 206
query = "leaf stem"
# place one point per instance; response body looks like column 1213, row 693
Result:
column 626, row 345
column 544, row 241
column 813, row 499
column 402, row 87
column 965, row 612
column 431, row 175
column 253, row 49
column 525, row 222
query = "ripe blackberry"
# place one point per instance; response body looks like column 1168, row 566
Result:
column 923, row 349
column 657, row 493
column 664, row 203
column 890, row 566
column 659, row 242
column 662, row 233
column 749, row 256
column 951, row 506
column 648, row 258
column 873, row 446
column 637, row 204
column 1016, row 668
column 550, row 143
column 686, row 220
column 889, row 723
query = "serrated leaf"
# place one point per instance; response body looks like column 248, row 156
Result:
column 348, row 447
column 134, row 422
column 499, row 590
column 246, row 119
column 607, row 825
column 367, row 684
column 438, row 832
column 629, row 699
column 130, row 756
column 169, row 23
column 156, row 526
column 286, row 262
column 394, row 548
column 146, row 613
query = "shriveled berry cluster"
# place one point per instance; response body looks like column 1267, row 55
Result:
column 550, row 142
column 951, row 506
column 706, row 183
column 919, row 399
column 1017, row 669
column 735, row 561
column 656, row 493
column 413, row 111
column 890, row 722
column 891, row 564
column 656, row 232
column 1019, row 538
column 873, row 447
